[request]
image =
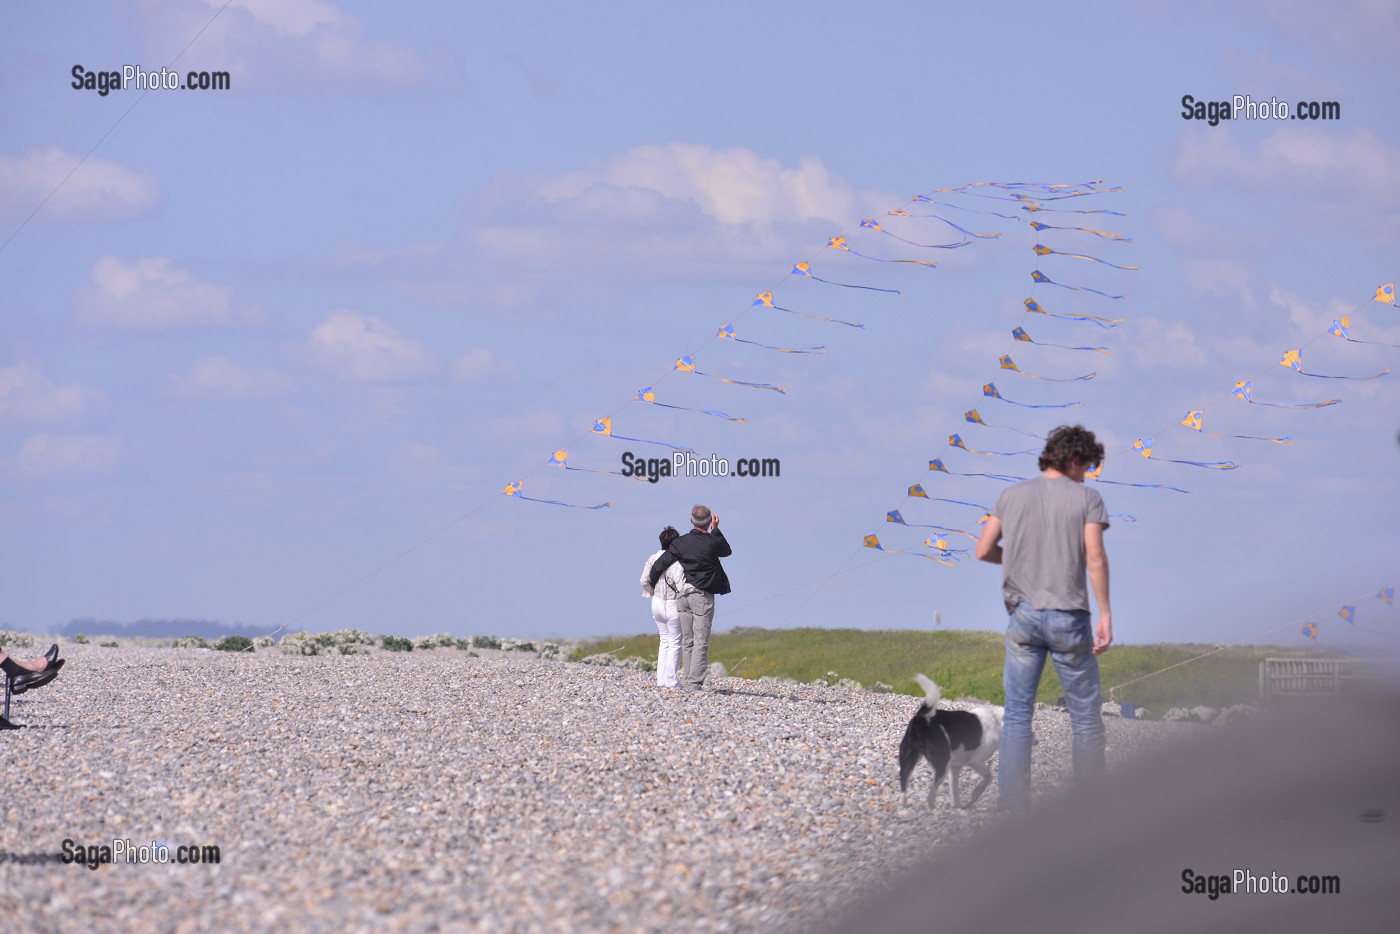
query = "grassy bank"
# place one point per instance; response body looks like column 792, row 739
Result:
column 968, row 663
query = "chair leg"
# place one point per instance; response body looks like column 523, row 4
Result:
column 5, row 723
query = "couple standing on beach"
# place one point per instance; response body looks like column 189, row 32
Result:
column 682, row 580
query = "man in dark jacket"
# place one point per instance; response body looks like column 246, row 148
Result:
column 698, row 553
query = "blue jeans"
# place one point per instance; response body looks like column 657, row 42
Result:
column 1068, row 637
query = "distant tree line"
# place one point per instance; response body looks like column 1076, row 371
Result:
column 160, row 628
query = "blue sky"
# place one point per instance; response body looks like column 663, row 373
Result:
column 263, row 342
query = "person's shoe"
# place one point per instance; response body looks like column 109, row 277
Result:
column 34, row 679
column 52, row 653
column 55, row 664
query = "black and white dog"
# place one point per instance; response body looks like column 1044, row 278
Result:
column 949, row 740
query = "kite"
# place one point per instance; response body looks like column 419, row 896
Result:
column 917, row 491
column 1094, row 475
column 839, row 243
column 937, row 464
column 1310, row 630
column 1348, row 613
column 766, row 300
column 975, row 417
column 957, row 227
column 649, row 395
column 1034, row 206
column 1386, row 293
column 1244, row 389
column 1089, row 186
column 894, row 516
column 1122, row 515
column 957, row 442
column 871, row 541
column 1386, row 595
column 1293, row 359
column 1034, row 308
column 513, row 489
column 1041, row 250
column 560, row 458
column 804, row 269
column 686, row 364
column 870, row 223
column 1043, row 279
column 603, row 426
column 1008, row 364
column 1019, row 197
column 1341, row 328
column 1144, row 447
column 990, row 390
column 1021, row 335
column 1038, row 226
column 941, row 545
column 959, row 207
column 1195, row 418
column 727, row 333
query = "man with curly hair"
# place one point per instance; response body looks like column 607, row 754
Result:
column 1045, row 533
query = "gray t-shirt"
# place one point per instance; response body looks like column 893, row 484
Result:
column 1042, row 540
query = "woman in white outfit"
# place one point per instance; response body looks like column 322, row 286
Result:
column 663, row 611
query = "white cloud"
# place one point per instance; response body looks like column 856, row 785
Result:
column 364, row 349
column 1319, row 160
column 1165, row 344
column 277, row 44
column 220, row 378
column 1305, row 317
column 100, row 190
column 154, row 294
column 1222, row 278
column 1349, row 30
column 44, row 455
column 291, row 18
column 27, row 393
column 658, row 208
column 731, row 186
column 479, row 366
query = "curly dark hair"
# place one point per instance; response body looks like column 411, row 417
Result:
column 1071, row 444
column 668, row 535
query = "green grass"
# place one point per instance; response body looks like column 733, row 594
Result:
column 967, row 663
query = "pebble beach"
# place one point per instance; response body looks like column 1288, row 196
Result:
column 440, row 790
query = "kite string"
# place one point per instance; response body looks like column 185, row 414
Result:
column 1220, row 648
column 88, row 154
column 78, row 99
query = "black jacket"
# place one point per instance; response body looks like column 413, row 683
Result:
column 699, row 553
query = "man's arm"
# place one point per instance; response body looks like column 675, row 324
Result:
column 1097, row 559
column 989, row 545
column 723, row 551
column 659, row 566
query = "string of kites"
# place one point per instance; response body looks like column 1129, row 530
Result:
column 1384, row 596
column 1034, row 200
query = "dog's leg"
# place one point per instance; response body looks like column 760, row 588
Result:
column 985, row 771
column 933, row 792
column 956, row 770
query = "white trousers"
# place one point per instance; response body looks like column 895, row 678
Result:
column 668, row 624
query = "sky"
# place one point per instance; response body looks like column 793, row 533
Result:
column 271, row 353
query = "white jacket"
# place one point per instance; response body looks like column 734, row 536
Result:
column 674, row 578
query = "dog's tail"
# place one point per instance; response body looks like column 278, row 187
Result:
column 931, row 691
